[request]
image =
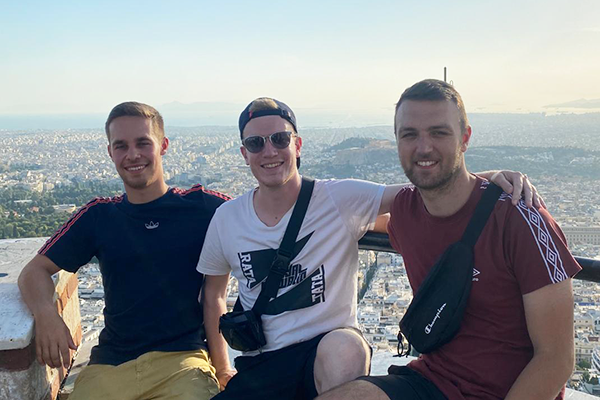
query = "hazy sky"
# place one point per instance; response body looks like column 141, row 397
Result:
column 87, row 56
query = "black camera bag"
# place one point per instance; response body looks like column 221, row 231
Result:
column 243, row 329
column 435, row 313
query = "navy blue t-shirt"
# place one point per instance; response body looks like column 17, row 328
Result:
column 148, row 255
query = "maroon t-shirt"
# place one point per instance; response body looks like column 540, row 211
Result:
column 519, row 251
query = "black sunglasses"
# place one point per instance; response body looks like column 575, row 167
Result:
column 279, row 140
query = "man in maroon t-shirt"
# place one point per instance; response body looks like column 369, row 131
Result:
column 516, row 337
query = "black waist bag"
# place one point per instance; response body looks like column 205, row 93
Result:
column 242, row 330
column 435, row 314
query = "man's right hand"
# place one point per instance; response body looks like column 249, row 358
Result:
column 53, row 340
column 224, row 376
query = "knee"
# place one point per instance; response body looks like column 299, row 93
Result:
column 344, row 348
column 342, row 355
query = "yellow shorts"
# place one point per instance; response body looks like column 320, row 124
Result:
column 155, row 375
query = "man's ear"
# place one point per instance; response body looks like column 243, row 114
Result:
column 109, row 151
column 164, row 146
column 465, row 137
column 298, row 144
column 243, row 151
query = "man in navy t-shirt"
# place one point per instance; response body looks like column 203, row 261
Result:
column 147, row 241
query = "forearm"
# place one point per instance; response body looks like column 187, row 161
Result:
column 549, row 315
column 543, row 377
column 217, row 346
column 37, row 290
column 53, row 339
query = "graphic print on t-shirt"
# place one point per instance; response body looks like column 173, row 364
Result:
column 307, row 290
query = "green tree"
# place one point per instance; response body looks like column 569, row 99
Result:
column 48, row 210
column 584, row 364
column 585, row 377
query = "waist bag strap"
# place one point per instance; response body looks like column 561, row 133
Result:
column 286, row 248
column 482, row 213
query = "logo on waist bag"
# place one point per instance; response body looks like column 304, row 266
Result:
column 475, row 273
column 428, row 327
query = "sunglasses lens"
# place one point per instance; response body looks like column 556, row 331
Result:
column 254, row 144
column 281, row 140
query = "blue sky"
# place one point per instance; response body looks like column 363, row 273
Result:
column 84, row 57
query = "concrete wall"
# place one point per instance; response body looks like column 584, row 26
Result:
column 21, row 377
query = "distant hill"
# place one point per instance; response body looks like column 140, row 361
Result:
column 354, row 142
column 358, row 157
column 581, row 103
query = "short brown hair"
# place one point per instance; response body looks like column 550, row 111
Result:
column 135, row 109
column 434, row 90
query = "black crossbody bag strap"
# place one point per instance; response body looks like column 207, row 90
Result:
column 484, row 208
column 286, row 248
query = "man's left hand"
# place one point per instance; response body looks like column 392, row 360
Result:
column 518, row 184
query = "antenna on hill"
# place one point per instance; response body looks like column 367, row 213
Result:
column 445, row 77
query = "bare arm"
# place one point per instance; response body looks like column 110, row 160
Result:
column 52, row 336
column 381, row 223
column 511, row 182
column 549, row 314
column 214, row 303
column 389, row 194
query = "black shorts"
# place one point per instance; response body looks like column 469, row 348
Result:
column 406, row 384
column 284, row 374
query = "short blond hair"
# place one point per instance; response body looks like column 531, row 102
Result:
column 263, row 103
column 135, row 109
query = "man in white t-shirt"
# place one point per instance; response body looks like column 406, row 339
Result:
column 313, row 343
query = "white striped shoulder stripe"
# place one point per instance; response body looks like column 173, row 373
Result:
column 541, row 235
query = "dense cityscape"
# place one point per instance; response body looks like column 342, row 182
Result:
column 37, row 166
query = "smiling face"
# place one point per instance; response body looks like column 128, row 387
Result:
column 137, row 155
column 431, row 145
column 272, row 167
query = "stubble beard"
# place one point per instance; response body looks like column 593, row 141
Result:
column 439, row 184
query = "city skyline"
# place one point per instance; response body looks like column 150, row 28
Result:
column 349, row 63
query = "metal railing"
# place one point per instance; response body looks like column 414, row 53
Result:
column 380, row 242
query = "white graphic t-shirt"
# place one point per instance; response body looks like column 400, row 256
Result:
column 318, row 294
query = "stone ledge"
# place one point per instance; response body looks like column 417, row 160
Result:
column 16, row 322
column 21, row 377
column 17, row 359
